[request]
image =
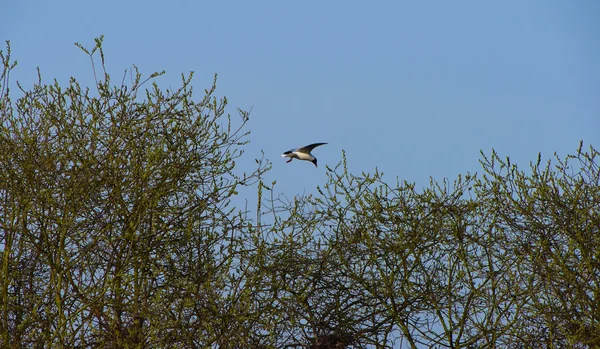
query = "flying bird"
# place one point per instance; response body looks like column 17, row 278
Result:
column 302, row 153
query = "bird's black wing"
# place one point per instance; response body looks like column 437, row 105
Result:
column 308, row 148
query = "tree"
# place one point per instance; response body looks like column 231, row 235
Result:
column 503, row 259
column 118, row 229
column 116, row 220
column 552, row 215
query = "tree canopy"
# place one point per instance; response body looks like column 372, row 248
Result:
column 118, row 229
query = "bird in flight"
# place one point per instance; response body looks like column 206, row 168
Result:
column 302, row 153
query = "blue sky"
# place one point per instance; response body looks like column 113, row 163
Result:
column 413, row 88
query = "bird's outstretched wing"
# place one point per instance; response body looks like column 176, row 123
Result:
column 308, row 148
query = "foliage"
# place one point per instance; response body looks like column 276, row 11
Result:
column 118, row 229
column 116, row 216
column 505, row 259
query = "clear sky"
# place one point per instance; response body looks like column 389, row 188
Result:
column 414, row 88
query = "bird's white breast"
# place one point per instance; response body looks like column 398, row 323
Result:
column 305, row 156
